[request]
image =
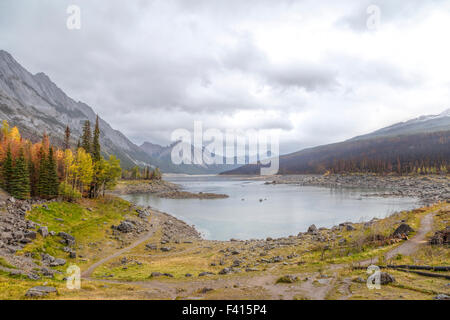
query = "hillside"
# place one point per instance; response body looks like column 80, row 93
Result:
column 35, row 104
column 401, row 154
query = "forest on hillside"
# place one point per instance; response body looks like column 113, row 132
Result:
column 424, row 153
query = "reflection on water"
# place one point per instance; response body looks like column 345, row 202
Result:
column 284, row 209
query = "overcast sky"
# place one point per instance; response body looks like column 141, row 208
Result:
column 310, row 70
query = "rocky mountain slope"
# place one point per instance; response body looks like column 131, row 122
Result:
column 35, row 104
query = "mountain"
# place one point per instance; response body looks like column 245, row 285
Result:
column 420, row 142
column 423, row 124
column 35, row 104
column 161, row 157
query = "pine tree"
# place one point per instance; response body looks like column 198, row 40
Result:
column 67, row 138
column 86, row 137
column 53, row 181
column 20, row 181
column 78, row 144
column 96, row 149
column 7, row 171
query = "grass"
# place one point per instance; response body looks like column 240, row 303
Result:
column 89, row 221
column 6, row 264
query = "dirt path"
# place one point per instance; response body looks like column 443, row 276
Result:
column 88, row 272
column 408, row 247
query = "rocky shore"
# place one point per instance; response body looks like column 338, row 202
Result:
column 429, row 189
column 142, row 186
column 161, row 189
column 190, row 195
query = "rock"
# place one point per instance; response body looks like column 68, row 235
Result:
column 43, row 231
column 58, row 262
column 46, row 272
column 151, row 246
column 287, row 279
column 166, row 249
column 236, row 263
column 40, row 291
column 269, row 239
column 30, row 235
column 342, row 241
column 402, row 229
column 277, row 259
column 72, row 254
column 386, row 278
column 359, row 280
column 349, row 227
column 441, row 237
column 206, row 273
column 312, row 228
column 66, row 236
column 205, row 290
column 156, row 274
column 225, row 271
column 251, row 270
column 47, row 258
column 126, row 226
column 33, row 276
column 442, row 297
column 188, row 275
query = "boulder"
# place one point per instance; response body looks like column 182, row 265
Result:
column 225, row 271
column 402, row 229
column 66, row 236
column 441, row 237
column 125, row 226
column 58, row 262
column 312, row 228
column 43, row 231
column 40, row 291
column 386, row 278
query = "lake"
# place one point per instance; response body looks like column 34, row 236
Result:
column 285, row 209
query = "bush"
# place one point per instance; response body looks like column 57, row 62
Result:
column 68, row 193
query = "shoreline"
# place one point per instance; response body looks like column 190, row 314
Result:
column 426, row 189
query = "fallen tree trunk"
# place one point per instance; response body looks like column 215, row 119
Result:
column 412, row 267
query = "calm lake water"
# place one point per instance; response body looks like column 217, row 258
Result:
column 285, row 210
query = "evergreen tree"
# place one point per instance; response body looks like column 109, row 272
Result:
column 20, row 181
column 53, row 181
column 7, row 171
column 78, row 144
column 96, row 149
column 42, row 186
column 67, row 138
column 86, row 137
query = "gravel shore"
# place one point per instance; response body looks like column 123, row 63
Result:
column 429, row 189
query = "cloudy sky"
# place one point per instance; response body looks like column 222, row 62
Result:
column 313, row 71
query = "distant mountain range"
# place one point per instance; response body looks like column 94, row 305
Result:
column 161, row 157
column 411, row 143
